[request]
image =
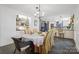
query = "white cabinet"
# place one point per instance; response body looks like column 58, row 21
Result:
column 69, row 34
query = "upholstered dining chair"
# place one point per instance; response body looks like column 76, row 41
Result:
column 23, row 46
column 47, row 43
column 49, row 37
column 35, row 30
column 52, row 37
column 61, row 33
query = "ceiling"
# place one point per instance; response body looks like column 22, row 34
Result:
column 48, row 9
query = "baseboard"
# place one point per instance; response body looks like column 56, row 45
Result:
column 77, row 49
column 1, row 45
column 62, row 37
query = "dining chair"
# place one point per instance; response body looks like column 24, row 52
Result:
column 22, row 45
column 47, row 43
column 52, row 37
column 35, row 30
column 61, row 33
column 49, row 37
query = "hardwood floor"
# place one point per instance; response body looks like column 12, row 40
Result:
column 62, row 46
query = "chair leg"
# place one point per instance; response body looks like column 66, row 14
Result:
column 14, row 50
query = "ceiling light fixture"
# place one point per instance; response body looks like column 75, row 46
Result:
column 39, row 14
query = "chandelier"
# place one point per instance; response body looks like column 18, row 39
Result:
column 39, row 14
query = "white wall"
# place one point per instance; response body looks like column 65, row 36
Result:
column 7, row 24
column 76, row 28
column 0, row 30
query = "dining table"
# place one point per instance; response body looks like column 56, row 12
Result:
column 36, row 38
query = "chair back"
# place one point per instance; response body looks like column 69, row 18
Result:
column 49, row 39
column 47, row 42
column 17, row 41
column 52, row 37
column 60, row 30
